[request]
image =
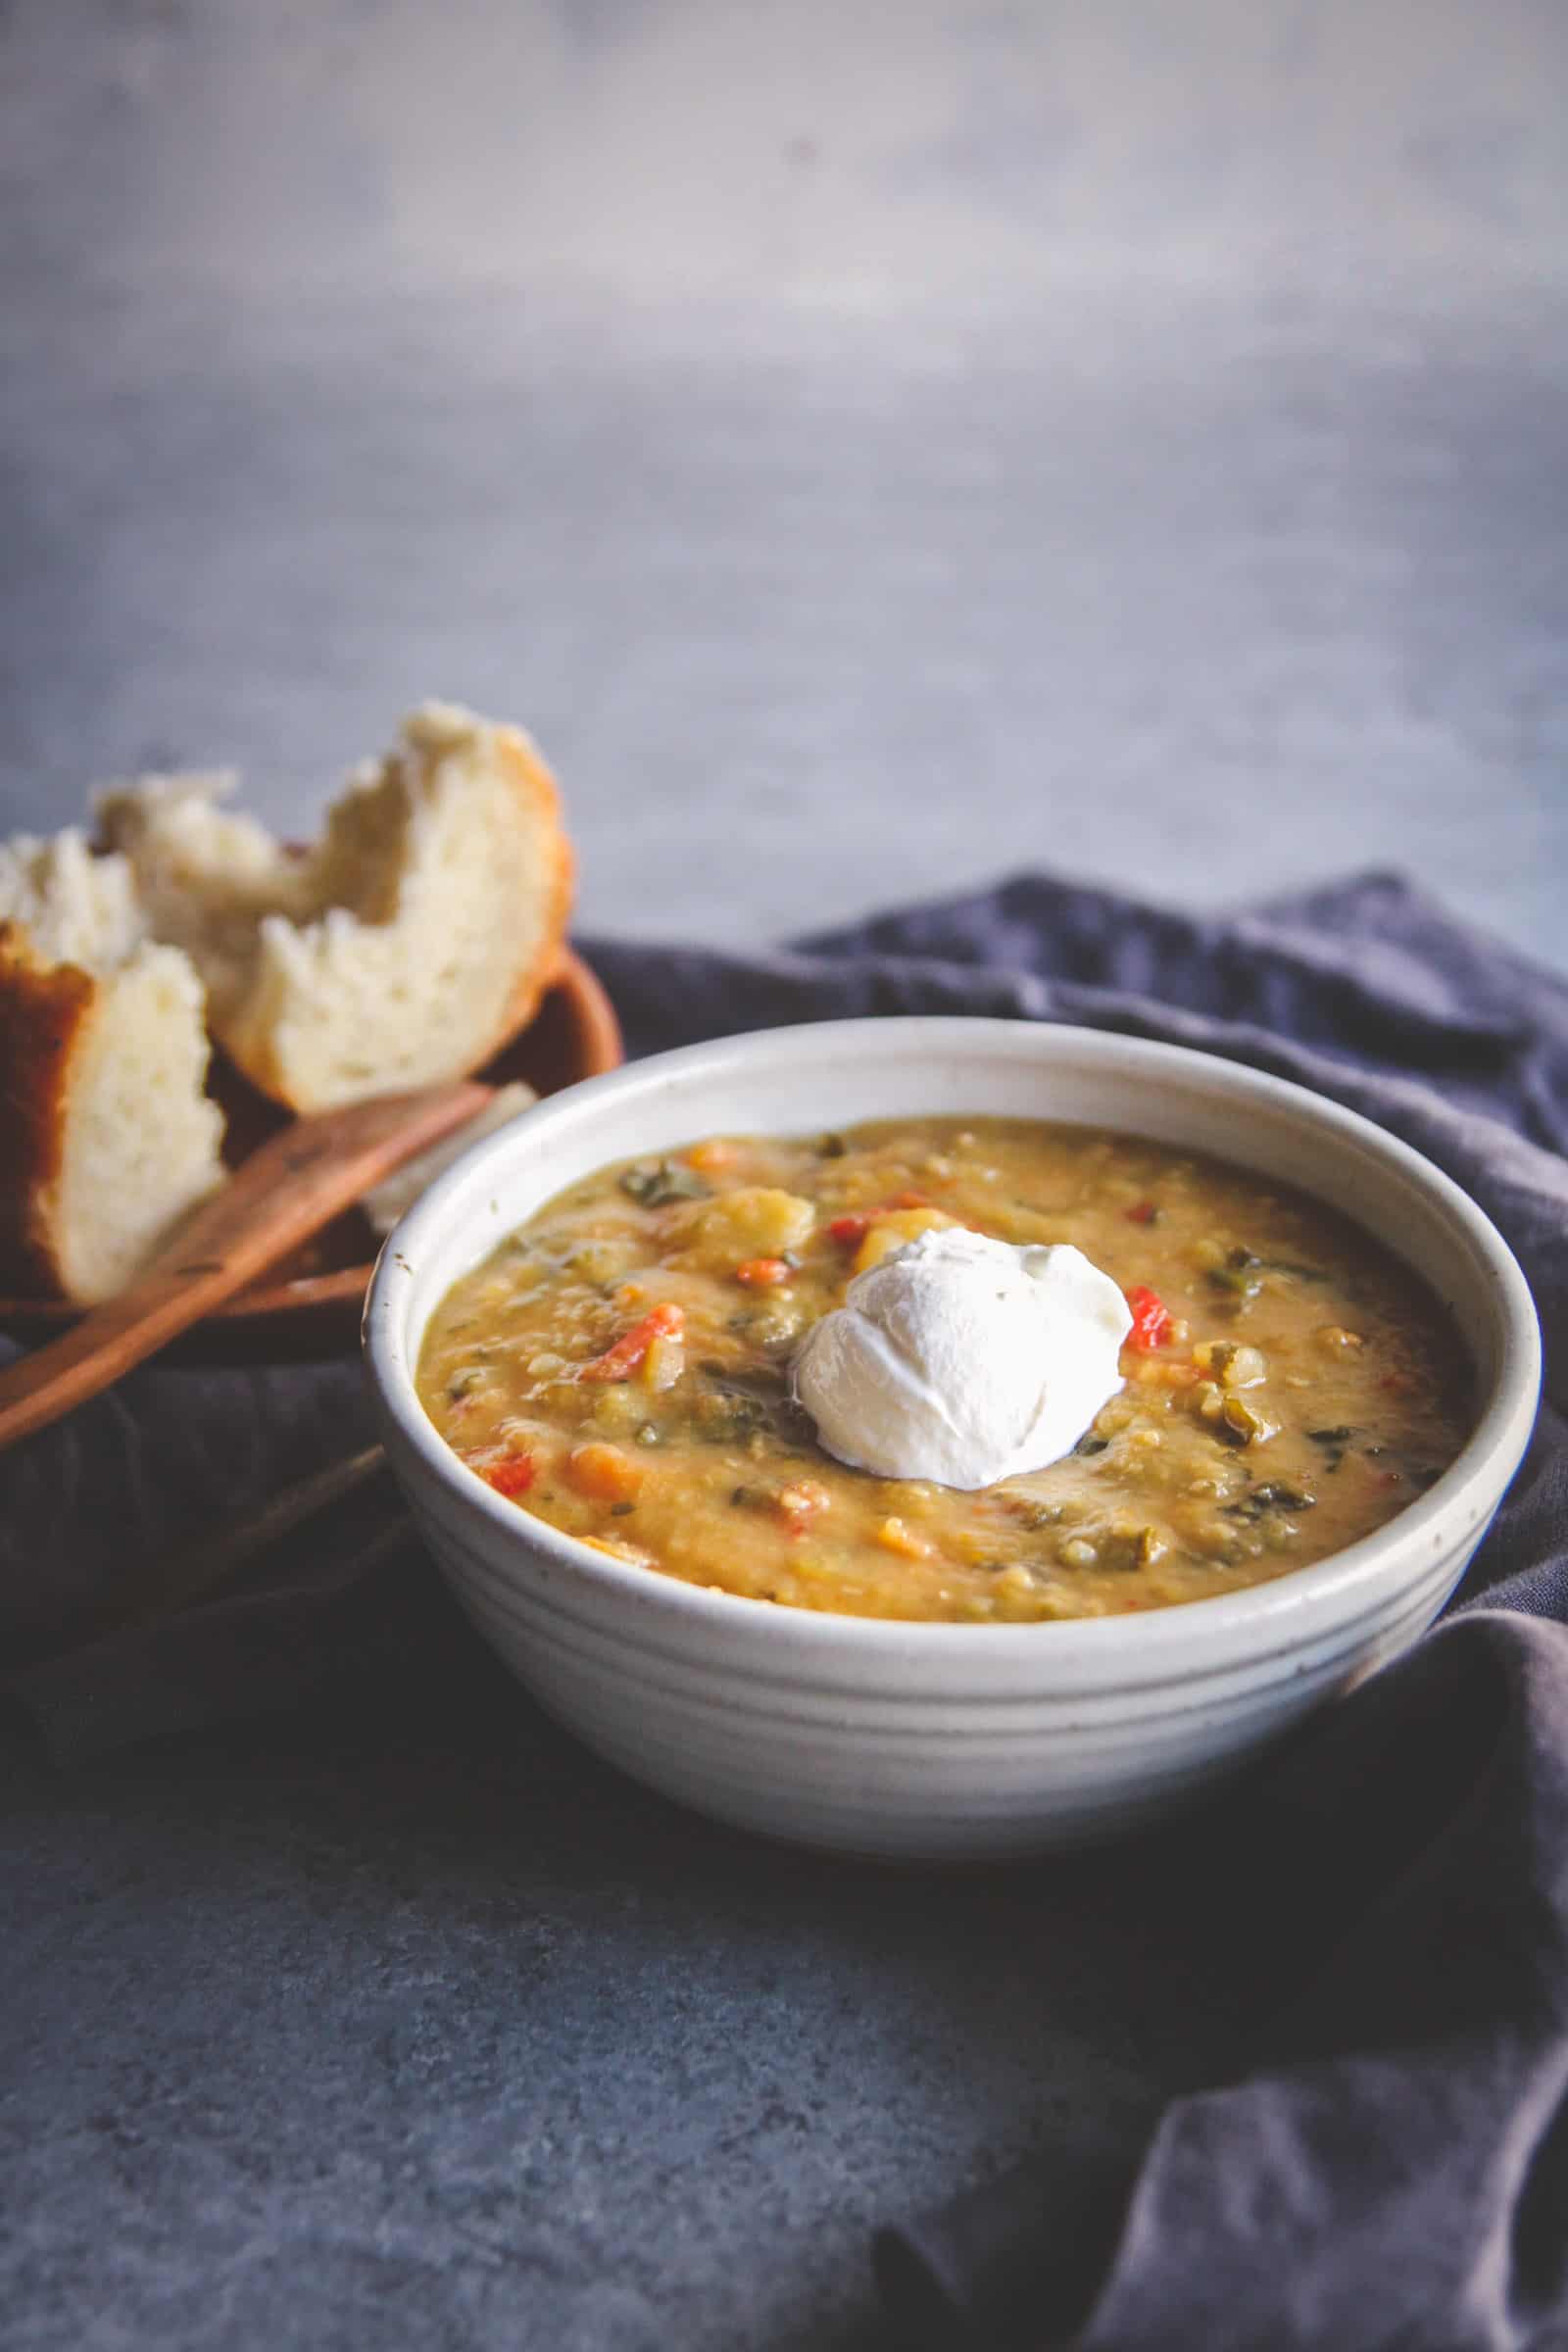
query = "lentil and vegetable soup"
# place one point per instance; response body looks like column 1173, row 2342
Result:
column 620, row 1367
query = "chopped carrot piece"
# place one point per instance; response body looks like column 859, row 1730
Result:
column 894, row 1535
column 622, row 1360
column 761, row 1273
column 1151, row 1319
column 716, row 1153
column 603, row 1473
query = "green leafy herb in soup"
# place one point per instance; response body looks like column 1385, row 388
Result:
column 620, row 1367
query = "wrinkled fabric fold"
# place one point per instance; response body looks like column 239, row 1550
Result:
column 1389, row 2162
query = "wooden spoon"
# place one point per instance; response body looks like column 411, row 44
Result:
column 283, row 1193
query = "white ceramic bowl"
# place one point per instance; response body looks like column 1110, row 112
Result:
column 943, row 1741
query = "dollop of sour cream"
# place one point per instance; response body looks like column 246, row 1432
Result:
column 963, row 1359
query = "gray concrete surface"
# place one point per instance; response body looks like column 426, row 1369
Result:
column 873, row 447
column 401, row 2022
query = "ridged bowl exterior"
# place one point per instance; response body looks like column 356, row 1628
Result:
column 925, row 1740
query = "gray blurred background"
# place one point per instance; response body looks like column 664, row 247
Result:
column 873, row 446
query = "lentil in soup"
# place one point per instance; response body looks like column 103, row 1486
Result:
column 620, row 1367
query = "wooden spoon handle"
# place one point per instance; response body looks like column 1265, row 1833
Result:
column 276, row 1199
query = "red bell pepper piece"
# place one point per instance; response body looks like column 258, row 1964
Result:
column 512, row 1476
column 1151, row 1319
column 622, row 1360
column 849, row 1231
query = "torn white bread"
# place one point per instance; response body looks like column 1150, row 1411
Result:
column 203, row 877
column 75, row 908
column 403, row 948
column 386, row 1203
column 108, row 1139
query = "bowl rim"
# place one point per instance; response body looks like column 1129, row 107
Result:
column 1315, row 1596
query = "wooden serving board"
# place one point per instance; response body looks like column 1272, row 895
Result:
column 310, row 1305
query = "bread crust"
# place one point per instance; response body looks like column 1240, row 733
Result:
column 45, row 1012
column 247, row 1037
column 536, row 785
